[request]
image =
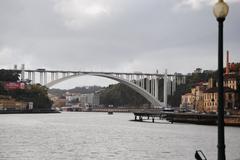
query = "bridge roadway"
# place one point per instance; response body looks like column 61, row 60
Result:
column 96, row 72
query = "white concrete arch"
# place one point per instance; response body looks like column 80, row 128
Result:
column 155, row 102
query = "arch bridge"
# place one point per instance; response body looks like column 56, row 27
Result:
column 145, row 84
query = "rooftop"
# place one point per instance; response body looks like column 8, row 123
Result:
column 215, row 89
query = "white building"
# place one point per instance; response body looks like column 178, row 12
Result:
column 89, row 99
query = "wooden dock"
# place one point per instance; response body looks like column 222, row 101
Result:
column 140, row 116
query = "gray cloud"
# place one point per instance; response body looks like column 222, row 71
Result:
column 137, row 35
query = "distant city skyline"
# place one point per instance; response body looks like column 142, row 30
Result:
column 114, row 35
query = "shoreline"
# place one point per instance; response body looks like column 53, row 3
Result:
column 27, row 112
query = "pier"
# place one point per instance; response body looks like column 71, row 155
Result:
column 194, row 118
column 141, row 115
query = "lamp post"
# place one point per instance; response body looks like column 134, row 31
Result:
column 220, row 11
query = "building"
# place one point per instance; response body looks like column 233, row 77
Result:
column 231, row 81
column 198, row 98
column 70, row 97
column 59, row 102
column 232, row 78
column 194, row 100
column 211, row 99
column 231, row 67
column 8, row 103
column 197, row 70
column 91, row 99
column 204, row 96
column 232, row 74
column 187, row 101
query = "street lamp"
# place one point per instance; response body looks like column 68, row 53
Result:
column 220, row 11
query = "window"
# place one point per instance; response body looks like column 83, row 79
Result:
column 230, row 96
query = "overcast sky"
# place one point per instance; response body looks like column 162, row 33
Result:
column 114, row 35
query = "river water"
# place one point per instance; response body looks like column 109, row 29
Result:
column 85, row 136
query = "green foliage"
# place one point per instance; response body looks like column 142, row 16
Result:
column 2, row 90
column 175, row 100
column 121, row 95
column 40, row 97
column 7, row 75
column 35, row 93
column 195, row 78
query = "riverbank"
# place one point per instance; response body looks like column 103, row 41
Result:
column 124, row 110
column 27, row 111
column 205, row 119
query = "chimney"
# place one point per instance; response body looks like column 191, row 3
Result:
column 227, row 63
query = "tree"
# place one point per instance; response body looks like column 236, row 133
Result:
column 9, row 75
column 121, row 95
column 39, row 97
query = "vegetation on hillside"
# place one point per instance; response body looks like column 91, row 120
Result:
column 32, row 93
column 11, row 76
column 121, row 95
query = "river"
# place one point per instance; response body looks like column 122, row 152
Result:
column 90, row 136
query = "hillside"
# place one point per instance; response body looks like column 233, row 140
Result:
column 121, row 95
column 82, row 90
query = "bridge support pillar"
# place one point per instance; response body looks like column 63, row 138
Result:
column 142, row 83
column 29, row 75
column 23, row 72
column 56, row 75
column 174, row 85
column 52, row 76
column 165, row 86
column 33, row 78
column 45, row 78
column 41, row 78
column 137, row 80
column 156, row 88
column 127, row 76
column 152, row 86
column 148, row 85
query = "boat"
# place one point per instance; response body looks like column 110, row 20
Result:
column 110, row 112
